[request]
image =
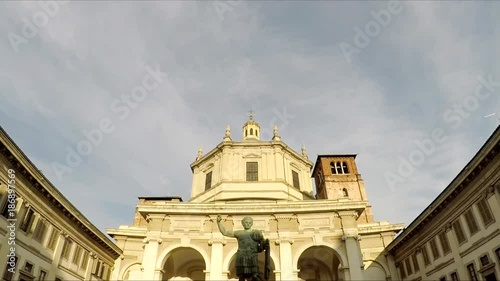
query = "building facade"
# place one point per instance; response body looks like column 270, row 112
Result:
column 457, row 237
column 42, row 235
column 330, row 235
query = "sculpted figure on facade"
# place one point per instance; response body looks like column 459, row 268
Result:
column 251, row 242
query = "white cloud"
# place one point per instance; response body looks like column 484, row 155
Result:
column 259, row 57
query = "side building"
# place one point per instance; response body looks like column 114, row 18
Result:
column 457, row 237
column 42, row 235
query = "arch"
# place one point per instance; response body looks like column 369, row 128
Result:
column 338, row 252
column 345, row 170
column 333, row 168
column 121, row 274
column 232, row 253
column 314, row 265
column 165, row 254
column 251, row 131
column 381, row 265
column 345, row 193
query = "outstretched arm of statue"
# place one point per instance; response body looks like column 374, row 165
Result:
column 222, row 229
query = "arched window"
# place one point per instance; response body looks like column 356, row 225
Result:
column 332, row 167
column 251, row 131
column 344, row 168
column 345, row 193
column 256, row 132
column 338, row 167
column 246, row 133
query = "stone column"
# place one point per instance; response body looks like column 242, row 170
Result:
column 91, row 265
column 391, row 264
column 217, row 243
column 354, row 256
column 286, row 262
column 149, row 259
column 56, row 257
column 115, row 270
column 455, row 251
column 159, row 274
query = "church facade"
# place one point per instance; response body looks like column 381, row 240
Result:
column 327, row 235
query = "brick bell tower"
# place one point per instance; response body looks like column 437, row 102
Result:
column 337, row 177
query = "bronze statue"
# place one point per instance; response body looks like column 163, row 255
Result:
column 251, row 242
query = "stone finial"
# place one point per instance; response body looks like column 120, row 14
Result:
column 276, row 134
column 200, row 153
column 227, row 136
column 304, row 152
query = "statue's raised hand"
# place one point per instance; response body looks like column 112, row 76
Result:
column 219, row 218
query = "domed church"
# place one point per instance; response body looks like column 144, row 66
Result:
column 323, row 234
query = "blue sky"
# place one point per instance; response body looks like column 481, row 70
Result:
column 423, row 69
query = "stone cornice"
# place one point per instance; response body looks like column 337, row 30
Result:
column 128, row 232
column 223, row 208
column 380, row 228
column 488, row 152
column 43, row 188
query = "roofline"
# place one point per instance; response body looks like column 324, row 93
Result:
column 160, row 197
column 219, row 147
column 329, row 155
column 454, row 184
column 52, row 190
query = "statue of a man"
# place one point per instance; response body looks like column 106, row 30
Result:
column 250, row 243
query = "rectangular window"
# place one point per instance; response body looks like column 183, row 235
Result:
column 252, row 171
column 9, row 270
column 295, row 178
column 497, row 252
column 208, row 180
column 484, row 260
column 66, row 249
column 402, row 271
column 85, row 260
column 42, row 275
column 472, row 272
column 445, row 244
column 471, row 222
column 78, row 255
column 434, row 249
column 459, row 232
column 425, row 255
column 454, row 276
column 40, row 230
column 28, row 220
column 485, row 212
column 408, row 266
column 28, row 267
column 5, row 209
column 54, row 236
column 97, row 266
column 415, row 262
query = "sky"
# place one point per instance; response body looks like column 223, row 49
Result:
column 111, row 100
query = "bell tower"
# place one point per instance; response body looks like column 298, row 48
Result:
column 337, row 177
